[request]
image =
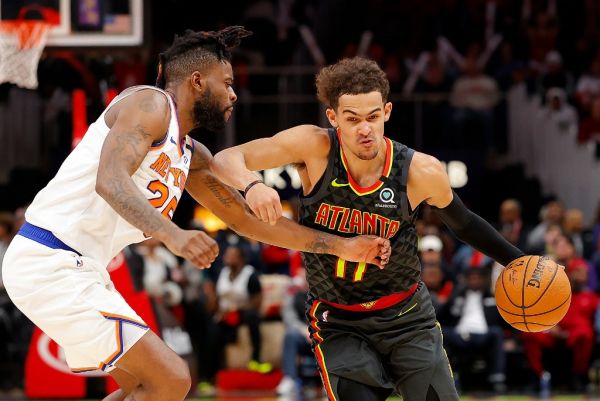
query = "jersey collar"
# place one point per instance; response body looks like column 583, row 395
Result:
column 387, row 168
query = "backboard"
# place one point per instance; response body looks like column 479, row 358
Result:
column 83, row 22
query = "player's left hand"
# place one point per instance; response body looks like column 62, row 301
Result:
column 367, row 248
column 265, row 203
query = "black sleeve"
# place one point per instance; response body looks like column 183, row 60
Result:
column 254, row 286
column 475, row 231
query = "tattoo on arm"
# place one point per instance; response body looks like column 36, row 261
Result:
column 127, row 145
column 118, row 189
column 219, row 191
column 133, row 207
column 320, row 244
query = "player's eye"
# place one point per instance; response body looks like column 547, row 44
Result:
column 373, row 116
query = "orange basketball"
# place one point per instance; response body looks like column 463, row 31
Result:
column 533, row 293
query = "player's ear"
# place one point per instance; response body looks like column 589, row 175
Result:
column 330, row 113
column 197, row 81
column 387, row 111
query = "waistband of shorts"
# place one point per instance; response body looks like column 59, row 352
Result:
column 44, row 237
column 380, row 303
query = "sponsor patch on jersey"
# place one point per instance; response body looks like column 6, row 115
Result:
column 386, row 196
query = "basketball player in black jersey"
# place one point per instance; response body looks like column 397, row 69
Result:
column 373, row 331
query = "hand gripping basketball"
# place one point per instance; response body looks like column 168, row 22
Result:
column 533, row 293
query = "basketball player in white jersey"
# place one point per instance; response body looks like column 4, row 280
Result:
column 121, row 185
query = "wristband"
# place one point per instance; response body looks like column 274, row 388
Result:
column 253, row 183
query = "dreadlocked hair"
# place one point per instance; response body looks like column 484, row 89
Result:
column 194, row 51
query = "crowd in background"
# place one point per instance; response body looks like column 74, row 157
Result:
column 458, row 59
column 449, row 63
column 487, row 354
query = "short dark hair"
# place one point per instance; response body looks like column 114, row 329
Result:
column 350, row 76
column 196, row 50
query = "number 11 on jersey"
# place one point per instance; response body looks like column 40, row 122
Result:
column 359, row 272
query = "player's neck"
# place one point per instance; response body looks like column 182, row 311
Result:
column 365, row 172
column 184, row 104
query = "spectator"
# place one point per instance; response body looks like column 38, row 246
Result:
column 560, row 112
column 158, row 265
column 435, row 78
column 471, row 323
column 554, row 75
column 542, row 34
column 588, row 85
column 550, row 240
column 439, row 286
column 251, row 249
column 551, row 213
column 511, row 223
column 199, row 303
column 575, row 330
column 276, row 259
column 474, row 96
column 566, row 254
column 582, row 238
column 297, row 339
column 239, row 298
column 431, row 249
column 466, row 258
column 589, row 129
column 507, row 66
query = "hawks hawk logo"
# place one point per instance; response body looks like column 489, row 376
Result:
column 368, row 305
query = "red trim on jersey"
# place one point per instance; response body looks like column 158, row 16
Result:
column 381, row 303
column 387, row 168
column 319, row 353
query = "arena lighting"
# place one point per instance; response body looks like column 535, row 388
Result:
column 457, row 172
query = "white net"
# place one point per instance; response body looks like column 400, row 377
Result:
column 21, row 45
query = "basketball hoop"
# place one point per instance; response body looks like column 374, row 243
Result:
column 21, row 45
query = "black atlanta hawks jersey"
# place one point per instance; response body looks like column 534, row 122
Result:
column 338, row 205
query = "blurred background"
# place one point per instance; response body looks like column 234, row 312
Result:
column 505, row 92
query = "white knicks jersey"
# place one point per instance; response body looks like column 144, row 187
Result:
column 70, row 207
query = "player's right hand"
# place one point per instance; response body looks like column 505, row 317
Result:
column 367, row 248
column 264, row 202
column 195, row 246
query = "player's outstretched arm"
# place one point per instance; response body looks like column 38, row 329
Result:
column 143, row 118
column 229, row 206
column 428, row 181
column 235, row 166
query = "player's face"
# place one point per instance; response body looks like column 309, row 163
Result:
column 360, row 119
column 214, row 105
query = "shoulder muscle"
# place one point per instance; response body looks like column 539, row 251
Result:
column 428, row 181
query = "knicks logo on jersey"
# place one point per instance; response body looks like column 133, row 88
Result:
column 162, row 165
column 163, row 200
column 354, row 221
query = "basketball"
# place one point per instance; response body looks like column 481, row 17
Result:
column 533, row 293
